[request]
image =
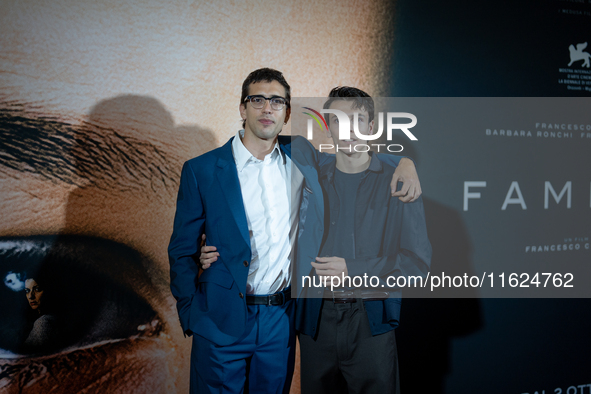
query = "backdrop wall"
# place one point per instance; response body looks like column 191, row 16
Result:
column 101, row 103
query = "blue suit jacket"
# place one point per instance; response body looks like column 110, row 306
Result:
column 209, row 202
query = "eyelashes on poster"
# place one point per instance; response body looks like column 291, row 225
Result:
column 70, row 302
column 56, row 298
column 82, row 284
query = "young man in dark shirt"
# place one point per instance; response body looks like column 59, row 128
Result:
column 347, row 337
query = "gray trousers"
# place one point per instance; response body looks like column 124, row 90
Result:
column 345, row 357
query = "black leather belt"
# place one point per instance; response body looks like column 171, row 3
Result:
column 278, row 298
column 351, row 296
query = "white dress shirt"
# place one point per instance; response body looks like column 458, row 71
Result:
column 271, row 213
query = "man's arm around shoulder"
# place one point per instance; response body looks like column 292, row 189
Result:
column 405, row 172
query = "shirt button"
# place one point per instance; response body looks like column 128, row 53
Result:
column 241, row 295
column 333, row 223
column 245, row 263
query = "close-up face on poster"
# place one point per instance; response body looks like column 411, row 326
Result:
column 295, row 197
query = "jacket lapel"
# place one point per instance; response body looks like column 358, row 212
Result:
column 230, row 185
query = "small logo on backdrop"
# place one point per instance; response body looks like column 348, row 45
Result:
column 577, row 54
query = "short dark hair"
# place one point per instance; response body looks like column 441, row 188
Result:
column 360, row 99
column 264, row 75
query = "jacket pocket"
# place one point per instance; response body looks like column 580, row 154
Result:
column 219, row 277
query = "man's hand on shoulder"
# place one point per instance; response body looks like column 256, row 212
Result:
column 330, row 266
column 208, row 255
column 406, row 173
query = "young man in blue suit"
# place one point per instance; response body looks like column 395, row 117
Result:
column 245, row 196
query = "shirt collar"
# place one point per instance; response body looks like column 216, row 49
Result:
column 242, row 155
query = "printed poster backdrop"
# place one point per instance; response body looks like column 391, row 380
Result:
column 495, row 49
column 102, row 102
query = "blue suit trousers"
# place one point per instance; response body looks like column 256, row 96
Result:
column 261, row 361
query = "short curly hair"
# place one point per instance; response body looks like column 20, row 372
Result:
column 360, row 99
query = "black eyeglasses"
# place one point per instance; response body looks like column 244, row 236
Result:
column 258, row 102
